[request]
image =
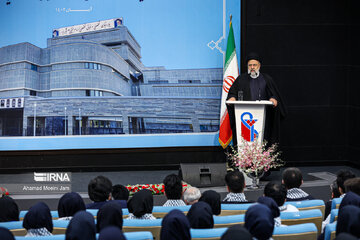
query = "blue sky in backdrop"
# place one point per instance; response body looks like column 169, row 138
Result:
column 171, row 33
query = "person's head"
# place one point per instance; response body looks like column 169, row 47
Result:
column 109, row 214
column 111, row 233
column 276, row 191
column 353, row 185
column 200, row 215
column 38, row 216
column 259, row 221
column 69, row 204
column 253, row 64
column 271, row 204
column 292, row 178
column 349, row 220
column 173, row 186
column 236, row 232
column 141, row 203
column 341, row 177
column 335, row 193
column 235, row 181
column 350, row 199
column 81, row 227
column 120, row 192
column 99, row 189
column 192, row 195
column 175, row 225
column 213, row 199
column 9, row 210
column 5, row 234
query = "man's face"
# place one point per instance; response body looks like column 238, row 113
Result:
column 253, row 68
column 253, row 65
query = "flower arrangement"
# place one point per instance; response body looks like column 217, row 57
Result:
column 254, row 158
column 156, row 189
column 3, row 192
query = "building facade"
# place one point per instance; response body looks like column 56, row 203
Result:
column 90, row 80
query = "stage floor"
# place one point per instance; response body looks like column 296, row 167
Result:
column 316, row 182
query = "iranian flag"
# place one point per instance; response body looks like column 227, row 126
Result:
column 231, row 72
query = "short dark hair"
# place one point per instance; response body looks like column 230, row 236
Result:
column 353, row 185
column 99, row 189
column 292, row 178
column 342, row 176
column 235, row 181
column 335, row 190
column 276, row 191
column 173, row 186
column 120, row 192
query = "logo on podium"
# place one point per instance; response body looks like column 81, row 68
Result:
column 248, row 131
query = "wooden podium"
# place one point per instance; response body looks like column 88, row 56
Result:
column 250, row 122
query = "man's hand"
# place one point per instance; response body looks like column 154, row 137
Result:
column 232, row 99
column 273, row 100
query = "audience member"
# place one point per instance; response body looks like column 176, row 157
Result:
column 109, row 214
column 200, row 215
column 140, row 205
column 235, row 183
column 111, row 233
column 173, row 191
column 236, row 232
column 38, row 221
column 271, row 204
column 259, row 221
column 349, row 221
column 341, row 177
column 5, row 234
column 175, row 226
column 192, row 195
column 350, row 198
column 99, row 190
column 213, row 199
column 278, row 192
column 292, row 179
column 81, row 227
column 69, row 204
column 9, row 210
column 353, row 185
column 334, row 194
column 120, row 192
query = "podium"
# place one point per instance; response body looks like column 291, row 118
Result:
column 250, row 121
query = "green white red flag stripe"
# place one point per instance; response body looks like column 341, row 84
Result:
column 231, row 72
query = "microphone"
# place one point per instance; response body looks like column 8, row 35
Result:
column 259, row 95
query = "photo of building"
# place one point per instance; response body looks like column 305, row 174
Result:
column 90, row 80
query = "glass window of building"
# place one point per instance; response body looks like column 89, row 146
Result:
column 158, row 81
column 32, row 93
column 87, row 65
column 189, row 81
column 94, row 93
column 34, row 67
column 217, row 81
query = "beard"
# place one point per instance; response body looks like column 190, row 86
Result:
column 254, row 74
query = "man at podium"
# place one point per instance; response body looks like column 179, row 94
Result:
column 252, row 86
